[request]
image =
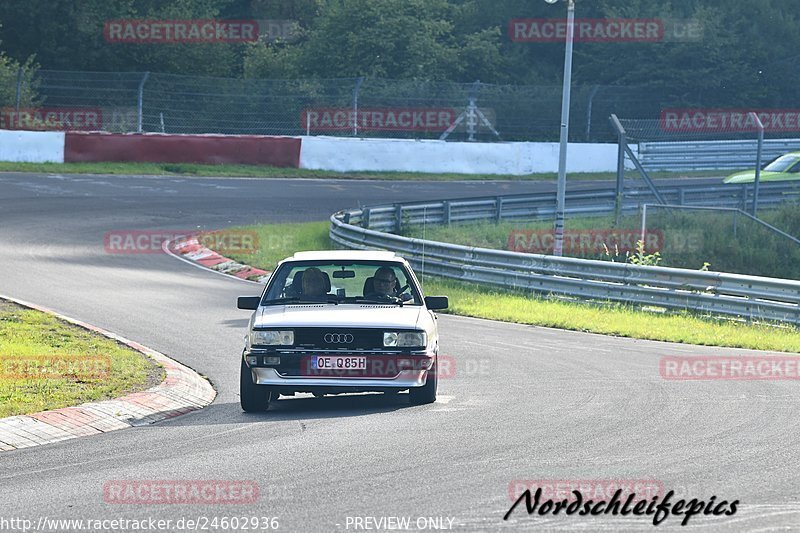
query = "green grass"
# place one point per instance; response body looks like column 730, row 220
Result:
column 279, row 241
column 189, row 169
column 33, row 343
column 690, row 239
column 611, row 319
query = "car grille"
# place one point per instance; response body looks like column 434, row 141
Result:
column 338, row 339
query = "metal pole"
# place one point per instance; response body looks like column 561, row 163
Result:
column 758, row 161
column 139, row 107
column 561, row 193
column 644, row 221
column 359, row 81
column 622, row 141
column 589, row 113
column 19, row 89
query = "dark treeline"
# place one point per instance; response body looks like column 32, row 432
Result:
column 748, row 54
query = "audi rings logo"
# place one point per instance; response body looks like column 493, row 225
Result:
column 338, row 338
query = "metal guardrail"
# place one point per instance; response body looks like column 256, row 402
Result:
column 719, row 293
column 710, row 155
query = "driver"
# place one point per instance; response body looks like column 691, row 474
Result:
column 384, row 281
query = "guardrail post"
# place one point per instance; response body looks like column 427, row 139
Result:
column 346, row 217
column 498, row 204
column 446, row 213
column 365, row 218
column 681, row 196
column 744, row 197
column 398, row 217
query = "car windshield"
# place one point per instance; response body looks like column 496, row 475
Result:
column 782, row 164
column 342, row 282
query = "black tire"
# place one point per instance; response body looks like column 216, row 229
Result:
column 426, row 393
column 253, row 398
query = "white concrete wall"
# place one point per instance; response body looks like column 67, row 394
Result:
column 32, row 146
column 515, row 158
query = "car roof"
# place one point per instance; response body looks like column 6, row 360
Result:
column 346, row 255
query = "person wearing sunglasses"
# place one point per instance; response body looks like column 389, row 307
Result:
column 385, row 282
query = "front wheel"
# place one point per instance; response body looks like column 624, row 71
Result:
column 426, row 393
column 253, row 398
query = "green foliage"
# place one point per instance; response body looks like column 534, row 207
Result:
column 747, row 55
column 12, row 74
column 642, row 258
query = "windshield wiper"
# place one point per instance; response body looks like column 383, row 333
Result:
column 301, row 299
column 387, row 300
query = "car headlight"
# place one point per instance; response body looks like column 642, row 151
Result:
column 272, row 338
column 401, row 339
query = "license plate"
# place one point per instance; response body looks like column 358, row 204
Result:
column 335, row 362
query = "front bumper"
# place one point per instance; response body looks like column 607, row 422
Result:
column 403, row 380
column 386, row 371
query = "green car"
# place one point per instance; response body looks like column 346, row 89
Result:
column 784, row 168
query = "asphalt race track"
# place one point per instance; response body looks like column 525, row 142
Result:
column 526, row 403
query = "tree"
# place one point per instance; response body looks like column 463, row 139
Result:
column 390, row 39
column 17, row 85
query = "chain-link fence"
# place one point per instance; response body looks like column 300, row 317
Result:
column 713, row 139
column 364, row 107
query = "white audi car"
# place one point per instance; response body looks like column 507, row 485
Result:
column 332, row 322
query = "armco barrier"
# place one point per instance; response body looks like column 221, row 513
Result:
column 32, row 146
column 710, row 155
column 160, row 148
column 752, row 297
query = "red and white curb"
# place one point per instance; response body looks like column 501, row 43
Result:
column 191, row 251
column 182, row 391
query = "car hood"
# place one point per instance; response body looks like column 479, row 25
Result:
column 342, row 315
column 750, row 176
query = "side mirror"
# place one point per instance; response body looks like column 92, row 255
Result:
column 436, row 302
column 248, row 302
